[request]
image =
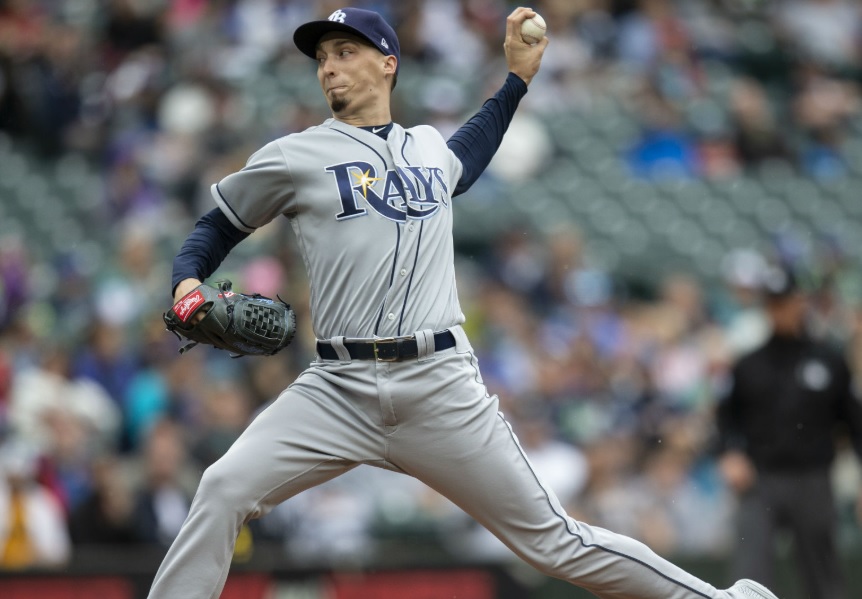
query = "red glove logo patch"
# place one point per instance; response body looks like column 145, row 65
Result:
column 187, row 305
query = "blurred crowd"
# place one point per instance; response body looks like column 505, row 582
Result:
column 154, row 89
column 610, row 383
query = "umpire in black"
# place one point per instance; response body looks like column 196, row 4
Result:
column 777, row 427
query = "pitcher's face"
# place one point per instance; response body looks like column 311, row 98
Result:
column 352, row 73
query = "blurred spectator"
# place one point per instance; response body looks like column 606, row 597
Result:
column 104, row 516
column 564, row 248
column 822, row 107
column 664, row 150
column 511, row 364
column 5, row 389
column 335, row 523
column 162, row 387
column 67, row 458
column 653, row 34
column 672, row 503
column 745, row 324
column 129, row 192
column 50, row 394
column 582, row 34
column 758, row 134
column 337, row 527
column 458, row 44
column 130, row 25
column 107, row 358
column 126, row 292
column 517, row 261
column 561, row 465
column 32, row 523
column 608, row 500
column 162, row 500
column 226, row 413
column 13, row 276
column 826, row 31
column 679, row 367
column 12, row 111
column 523, row 154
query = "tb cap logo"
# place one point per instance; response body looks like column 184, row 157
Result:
column 338, row 16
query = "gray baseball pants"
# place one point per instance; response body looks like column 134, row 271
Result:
column 433, row 419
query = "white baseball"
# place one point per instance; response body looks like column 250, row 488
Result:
column 533, row 29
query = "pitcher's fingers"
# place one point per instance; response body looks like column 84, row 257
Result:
column 516, row 19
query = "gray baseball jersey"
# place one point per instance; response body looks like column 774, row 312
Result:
column 373, row 221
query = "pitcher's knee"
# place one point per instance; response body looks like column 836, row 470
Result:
column 221, row 483
column 555, row 566
column 556, row 558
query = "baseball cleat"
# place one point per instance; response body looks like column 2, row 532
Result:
column 748, row 588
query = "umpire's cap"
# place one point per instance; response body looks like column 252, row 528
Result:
column 367, row 24
column 779, row 283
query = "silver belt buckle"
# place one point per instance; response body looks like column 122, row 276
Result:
column 384, row 344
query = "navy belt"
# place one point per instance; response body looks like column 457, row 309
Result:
column 388, row 349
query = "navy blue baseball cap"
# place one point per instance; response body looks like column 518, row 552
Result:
column 366, row 24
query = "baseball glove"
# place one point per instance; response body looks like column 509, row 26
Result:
column 245, row 325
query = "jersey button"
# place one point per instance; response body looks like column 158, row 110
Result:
column 391, row 316
column 410, row 227
column 403, row 272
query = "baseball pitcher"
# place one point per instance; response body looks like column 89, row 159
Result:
column 395, row 384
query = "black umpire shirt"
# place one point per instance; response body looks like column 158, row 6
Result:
column 786, row 401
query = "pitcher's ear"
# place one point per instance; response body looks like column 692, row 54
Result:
column 391, row 65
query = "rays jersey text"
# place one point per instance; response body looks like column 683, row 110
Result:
column 399, row 194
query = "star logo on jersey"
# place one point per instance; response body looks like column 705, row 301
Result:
column 414, row 192
column 365, row 181
column 338, row 16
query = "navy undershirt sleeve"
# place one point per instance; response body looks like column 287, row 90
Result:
column 214, row 236
column 478, row 139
